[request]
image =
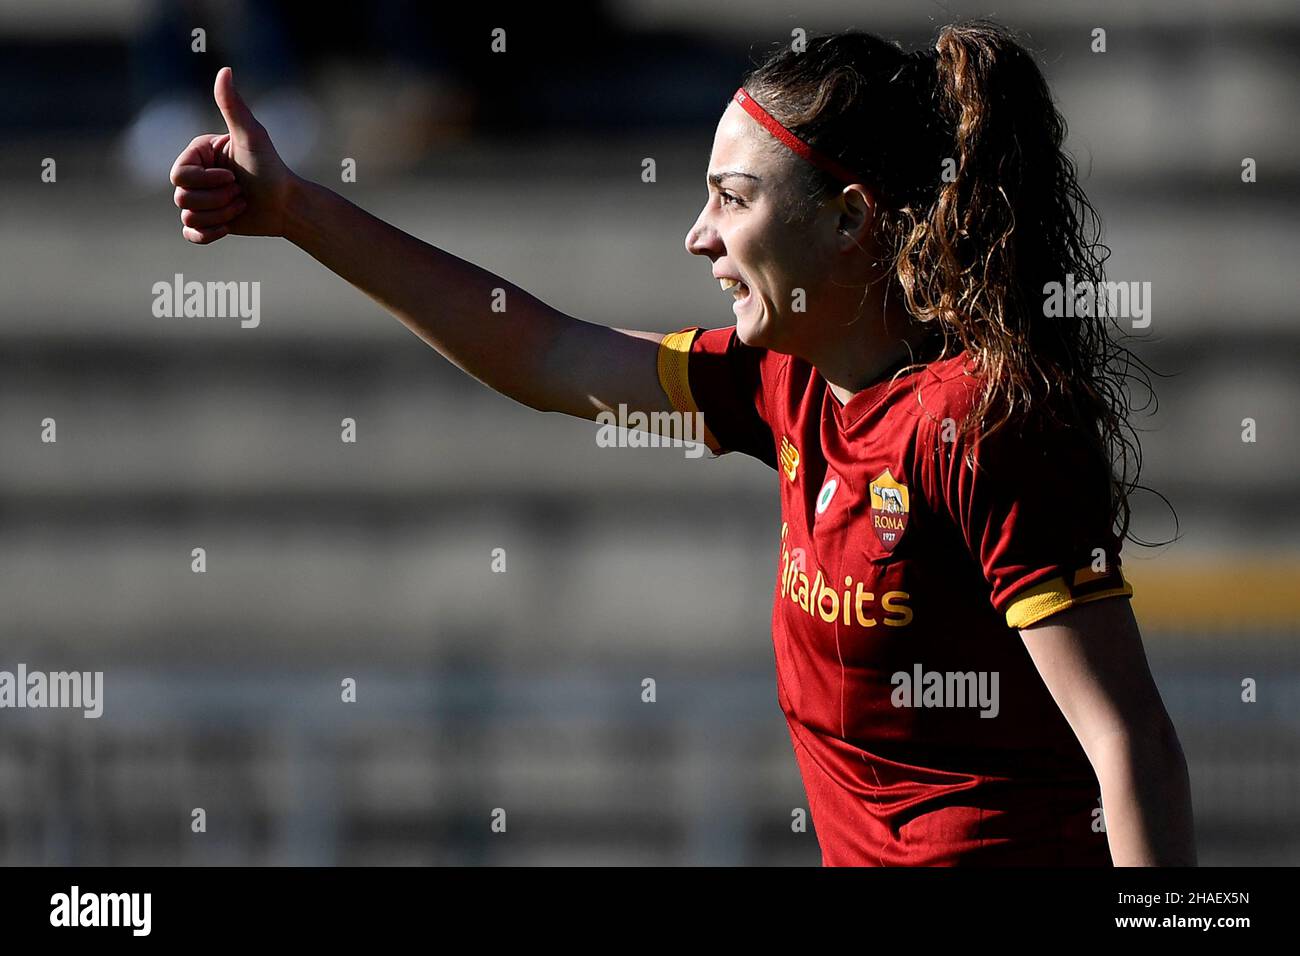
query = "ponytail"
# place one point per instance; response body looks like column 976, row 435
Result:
column 1008, row 218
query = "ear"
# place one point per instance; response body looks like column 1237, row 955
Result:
column 856, row 215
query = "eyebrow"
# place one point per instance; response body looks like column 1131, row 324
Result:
column 715, row 179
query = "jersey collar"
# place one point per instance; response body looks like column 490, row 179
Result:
column 857, row 407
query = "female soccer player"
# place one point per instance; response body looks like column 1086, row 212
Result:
column 960, row 670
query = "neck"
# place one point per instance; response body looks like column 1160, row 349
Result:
column 873, row 349
column 845, row 383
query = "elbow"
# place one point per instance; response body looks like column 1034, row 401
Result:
column 1162, row 738
column 1146, row 741
column 1145, row 782
column 1143, row 755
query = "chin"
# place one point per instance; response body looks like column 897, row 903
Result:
column 754, row 331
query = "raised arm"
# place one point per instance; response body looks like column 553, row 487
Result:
column 234, row 183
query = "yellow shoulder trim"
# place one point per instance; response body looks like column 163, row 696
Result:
column 1050, row 597
column 674, row 376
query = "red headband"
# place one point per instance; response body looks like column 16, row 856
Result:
column 792, row 141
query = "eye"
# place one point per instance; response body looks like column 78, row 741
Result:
column 727, row 199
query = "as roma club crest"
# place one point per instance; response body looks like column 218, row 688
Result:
column 889, row 504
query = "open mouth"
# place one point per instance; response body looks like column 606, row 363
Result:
column 739, row 291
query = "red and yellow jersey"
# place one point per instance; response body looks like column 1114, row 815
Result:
column 909, row 554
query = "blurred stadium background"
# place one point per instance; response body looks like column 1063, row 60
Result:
column 522, row 690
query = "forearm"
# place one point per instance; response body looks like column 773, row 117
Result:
column 443, row 299
column 1146, row 796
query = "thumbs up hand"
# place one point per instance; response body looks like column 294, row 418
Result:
column 231, row 183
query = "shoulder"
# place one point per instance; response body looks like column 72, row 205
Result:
column 947, row 389
column 948, row 442
column 935, row 398
column 725, row 342
column 751, row 366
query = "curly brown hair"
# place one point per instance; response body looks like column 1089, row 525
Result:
column 979, row 210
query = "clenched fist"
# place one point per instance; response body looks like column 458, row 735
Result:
column 232, row 182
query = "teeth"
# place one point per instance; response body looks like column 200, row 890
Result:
column 732, row 285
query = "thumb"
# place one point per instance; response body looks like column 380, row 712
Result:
column 243, row 126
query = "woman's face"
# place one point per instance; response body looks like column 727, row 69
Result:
column 784, row 269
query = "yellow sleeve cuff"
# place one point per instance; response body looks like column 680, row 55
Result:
column 674, row 377
column 1055, row 595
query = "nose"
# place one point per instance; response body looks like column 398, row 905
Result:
column 701, row 239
